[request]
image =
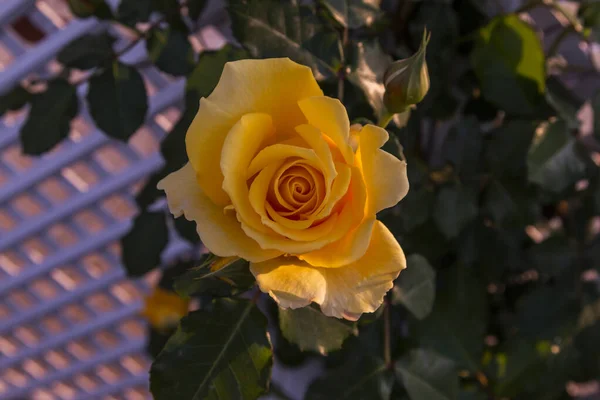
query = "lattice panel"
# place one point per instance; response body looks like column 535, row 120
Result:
column 69, row 325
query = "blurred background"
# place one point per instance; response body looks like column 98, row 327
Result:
column 72, row 325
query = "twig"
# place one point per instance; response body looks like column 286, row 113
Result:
column 342, row 71
column 387, row 349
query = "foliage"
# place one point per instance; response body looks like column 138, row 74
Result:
column 498, row 226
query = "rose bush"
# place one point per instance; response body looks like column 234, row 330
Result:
column 279, row 177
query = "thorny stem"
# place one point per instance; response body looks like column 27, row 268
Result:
column 387, row 351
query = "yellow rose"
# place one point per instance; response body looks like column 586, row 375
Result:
column 277, row 176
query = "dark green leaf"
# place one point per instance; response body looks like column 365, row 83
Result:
column 370, row 63
column 550, row 138
column 510, row 64
column 353, row 14
column 565, row 102
column 311, row 330
column 276, row 29
column 547, row 312
column 553, row 255
column 415, row 287
column 88, row 51
column 90, row 8
column 220, row 354
column 187, row 230
column 506, row 148
column 456, row 326
column 118, row 101
column 359, row 376
column 428, row 376
column 463, row 147
column 14, row 100
column 195, row 8
column 509, row 204
column 520, row 364
column 144, row 243
column 415, row 208
column 131, row 12
column 49, row 118
column 586, row 342
column 171, row 51
column 235, row 277
column 207, row 72
column 563, row 168
column 455, row 206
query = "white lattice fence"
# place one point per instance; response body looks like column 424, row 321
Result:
column 69, row 325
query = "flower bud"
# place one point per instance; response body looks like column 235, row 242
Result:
column 407, row 81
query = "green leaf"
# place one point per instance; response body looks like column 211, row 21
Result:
column 520, row 364
column 547, row 312
column 507, row 146
column 550, row 138
column 370, row 63
column 205, row 76
column 195, row 8
column 144, row 243
column 14, row 100
column 415, row 287
column 552, row 256
column 428, row 376
column 353, row 14
column 118, row 101
column 509, row 61
column 221, row 354
column 415, row 208
column 49, row 119
column 456, row 326
column 463, row 147
column 311, row 330
column 171, row 51
column 90, row 8
column 187, row 230
column 455, row 206
column 232, row 278
column 88, row 51
column 564, row 101
column 130, row 12
column 509, row 203
column 277, row 29
column 562, row 169
column 359, row 376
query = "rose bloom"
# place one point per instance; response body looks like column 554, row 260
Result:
column 277, row 176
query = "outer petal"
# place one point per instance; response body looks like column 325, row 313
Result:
column 204, row 141
column 220, row 232
column 330, row 117
column 345, row 292
column 385, row 176
column 272, row 86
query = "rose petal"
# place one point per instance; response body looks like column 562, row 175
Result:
column 345, row 292
column 330, row 117
column 220, row 232
column 271, row 86
column 385, row 175
column 242, row 143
